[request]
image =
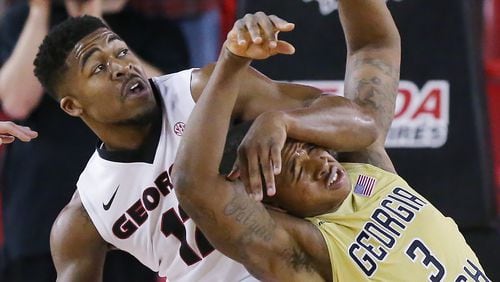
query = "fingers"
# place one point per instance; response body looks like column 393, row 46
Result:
column 255, row 36
column 15, row 131
column 276, row 159
column 249, row 172
column 267, row 28
column 267, row 171
column 6, row 139
column 252, row 28
column 254, row 168
column 263, row 28
column 241, row 167
column 285, row 48
column 281, row 24
column 254, row 178
column 234, row 174
column 241, row 33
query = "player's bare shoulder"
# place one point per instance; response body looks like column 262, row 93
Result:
column 74, row 242
column 199, row 79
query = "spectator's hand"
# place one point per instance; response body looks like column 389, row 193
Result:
column 9, row 131
column 76, row 8
column 255, row 36
column 259, row 151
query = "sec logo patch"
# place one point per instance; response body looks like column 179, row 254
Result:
column 179, row 128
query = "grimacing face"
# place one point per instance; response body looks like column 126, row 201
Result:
column 311, row 182
column 105, row 83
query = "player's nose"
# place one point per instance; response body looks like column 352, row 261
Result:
column 322, row 168
column 119, row 70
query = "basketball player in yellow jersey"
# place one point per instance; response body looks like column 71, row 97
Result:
column 355, row 221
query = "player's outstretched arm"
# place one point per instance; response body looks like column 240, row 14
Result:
column 372, row 71
column 77, row 249
column 234, row 223
column 9, row 131
column 290, row 110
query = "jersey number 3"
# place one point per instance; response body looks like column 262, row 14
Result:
column 417, row 249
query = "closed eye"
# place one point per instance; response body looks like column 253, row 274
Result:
column 296, row 175
column 309, row 147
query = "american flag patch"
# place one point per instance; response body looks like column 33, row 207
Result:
column 364, row 186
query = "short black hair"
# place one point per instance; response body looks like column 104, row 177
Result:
column 52, row 53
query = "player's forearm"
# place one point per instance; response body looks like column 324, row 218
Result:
column 367, row 24
column 202, row 145
column 374, row 54
column 20, row 91
column 199, row 188
column 332, row 122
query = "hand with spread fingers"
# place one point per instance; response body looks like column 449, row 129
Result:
column 259, row 155
column 9, row 131
column 255, row 36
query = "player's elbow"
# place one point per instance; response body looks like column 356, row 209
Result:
column 365, row 128
column 179, row 181
column 183, row 184
column 370, row 129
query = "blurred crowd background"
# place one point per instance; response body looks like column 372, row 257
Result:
column 445, row 139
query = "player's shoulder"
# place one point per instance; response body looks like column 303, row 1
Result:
column 73, row 228
column 374, row 155
column 200, row 77
column 77, row 250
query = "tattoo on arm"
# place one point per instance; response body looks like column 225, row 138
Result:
column 254, row 217
column 386, row 69
column 376, row 91
column 259, row 225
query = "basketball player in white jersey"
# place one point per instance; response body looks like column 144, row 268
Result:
column 9, row 131
column 356, row 221
column 125, row 198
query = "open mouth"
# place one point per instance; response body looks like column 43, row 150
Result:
column 135, row 86
column 335, row 177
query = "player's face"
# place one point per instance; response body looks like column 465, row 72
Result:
column 105, row 82
column 311, row 181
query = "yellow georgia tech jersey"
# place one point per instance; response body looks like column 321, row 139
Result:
column 385, row 231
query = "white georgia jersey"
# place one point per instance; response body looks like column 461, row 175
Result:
column 129, row 197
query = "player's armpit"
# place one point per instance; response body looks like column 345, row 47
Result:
column 244, row 230
column 375, row 154
column 77, row 249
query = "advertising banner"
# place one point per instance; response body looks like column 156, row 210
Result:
column 438, row 140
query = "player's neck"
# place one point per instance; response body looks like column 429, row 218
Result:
column 125, row 139
column 121, row 137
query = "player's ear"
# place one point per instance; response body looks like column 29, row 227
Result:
column 71, row 106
